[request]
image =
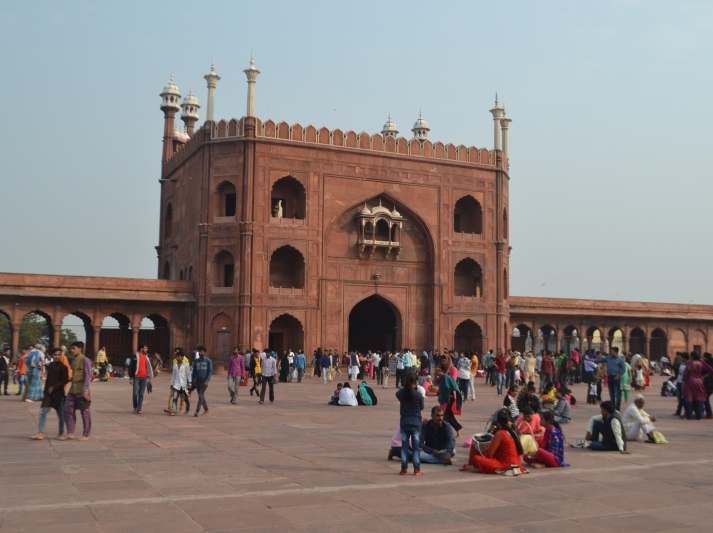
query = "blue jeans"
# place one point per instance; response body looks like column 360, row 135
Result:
column 463, row 386
column 500, row 380
column 414, row 433
column 596, row 444
column 614, row 391
column 139, row 388
column 561, row 420
column 22, row 380
column 43, row 418
column 428, row 458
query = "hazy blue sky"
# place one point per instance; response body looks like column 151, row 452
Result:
column 611, row 174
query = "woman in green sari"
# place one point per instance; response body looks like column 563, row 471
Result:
column 625, row 382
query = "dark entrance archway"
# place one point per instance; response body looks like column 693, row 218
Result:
column 374, row 324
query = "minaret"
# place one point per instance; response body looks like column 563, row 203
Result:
column 504, row 125
column 389, row 129
column 189, row 111
column 251, row 72
column 420, row 128
column 169, row 105
column 212, row 80
column 497, row 114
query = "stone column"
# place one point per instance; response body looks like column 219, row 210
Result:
column 212, row 79
column 251, row 72
column 55, row 336
column 95, row 333
column 15, row 340
column 497, row 112
column 504, row 125
column 135, row 338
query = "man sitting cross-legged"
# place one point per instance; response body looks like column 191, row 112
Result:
column 437, row 440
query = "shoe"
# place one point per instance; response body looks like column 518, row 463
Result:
column 404, row 471
column 18, row 394
column 167, row 411
column 261, row 403
column 195, row 414
column 417, row 473
column 708, row 418
column 578, row 443
column 391, row 455
column 251, row 392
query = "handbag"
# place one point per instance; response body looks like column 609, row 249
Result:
column 658, row 437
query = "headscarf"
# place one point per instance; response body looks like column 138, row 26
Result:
column 364, row 394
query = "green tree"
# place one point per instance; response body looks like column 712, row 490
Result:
column 5, row 335
column 33, row 330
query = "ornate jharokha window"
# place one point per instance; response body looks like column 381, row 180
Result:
column 379, row 230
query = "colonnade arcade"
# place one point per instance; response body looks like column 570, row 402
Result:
column 119, row 330
column 652, row 340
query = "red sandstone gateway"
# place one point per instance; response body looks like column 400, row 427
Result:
column 293, row 236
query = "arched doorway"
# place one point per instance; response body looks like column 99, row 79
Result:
column 155, row 334
column 286, row 333
column 374, row 324
column 468, row 336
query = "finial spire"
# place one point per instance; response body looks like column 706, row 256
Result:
column 496, row 99
column 212, row 79
column 251, row 72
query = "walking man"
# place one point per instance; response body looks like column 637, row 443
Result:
column 236, row 370
column 300, row 363
column 140, row 374
column 78, row 395
column 325, row 363
column 269, row 369
column 57, row 378
column 180, row 382
column 202, row 372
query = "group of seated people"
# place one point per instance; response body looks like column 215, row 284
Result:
column 344, row 395
column 535, row 439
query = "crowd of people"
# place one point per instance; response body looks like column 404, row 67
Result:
column 527, row 431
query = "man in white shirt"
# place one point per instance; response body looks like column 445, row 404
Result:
column 638, row 424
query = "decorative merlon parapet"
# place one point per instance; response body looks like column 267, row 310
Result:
column 235, row 128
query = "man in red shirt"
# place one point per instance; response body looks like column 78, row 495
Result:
column 547, row 370
column 140, row 374
column 499, row 363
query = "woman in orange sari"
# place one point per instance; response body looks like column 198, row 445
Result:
column 503, row 454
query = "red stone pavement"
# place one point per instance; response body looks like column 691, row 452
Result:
column 301, row 465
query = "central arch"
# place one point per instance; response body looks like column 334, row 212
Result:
column 374, row 324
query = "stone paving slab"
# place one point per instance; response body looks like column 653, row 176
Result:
column 301, row 465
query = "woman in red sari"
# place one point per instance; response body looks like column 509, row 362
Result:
column 504, row 451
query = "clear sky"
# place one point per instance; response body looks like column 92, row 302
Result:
column 611, row 177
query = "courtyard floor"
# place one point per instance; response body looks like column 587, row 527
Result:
column 301, row 465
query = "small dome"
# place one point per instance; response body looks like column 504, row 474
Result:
column 395, row 213
column 380, row 209
column 180, row 135
column 171, row 89
column 365, row 210
column 421, row 123
column 190, row 100
column 389, row 127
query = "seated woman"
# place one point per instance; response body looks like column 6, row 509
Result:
column 529, row 424
column 548, row 396
column 552, row 452
column 346, row 396
column 503, row 454
column 510, row 402
column 365, row 394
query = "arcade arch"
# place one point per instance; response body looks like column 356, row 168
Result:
column 286, row 333
column 468, row 335
column 374, row 324
column 288, row 198
column 521, row 338
column 468, row 216
column 287, row 268
column 468, row 278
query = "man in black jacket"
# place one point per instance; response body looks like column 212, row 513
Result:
column 5, row 369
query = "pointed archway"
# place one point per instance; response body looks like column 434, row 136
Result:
column 374, row 324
